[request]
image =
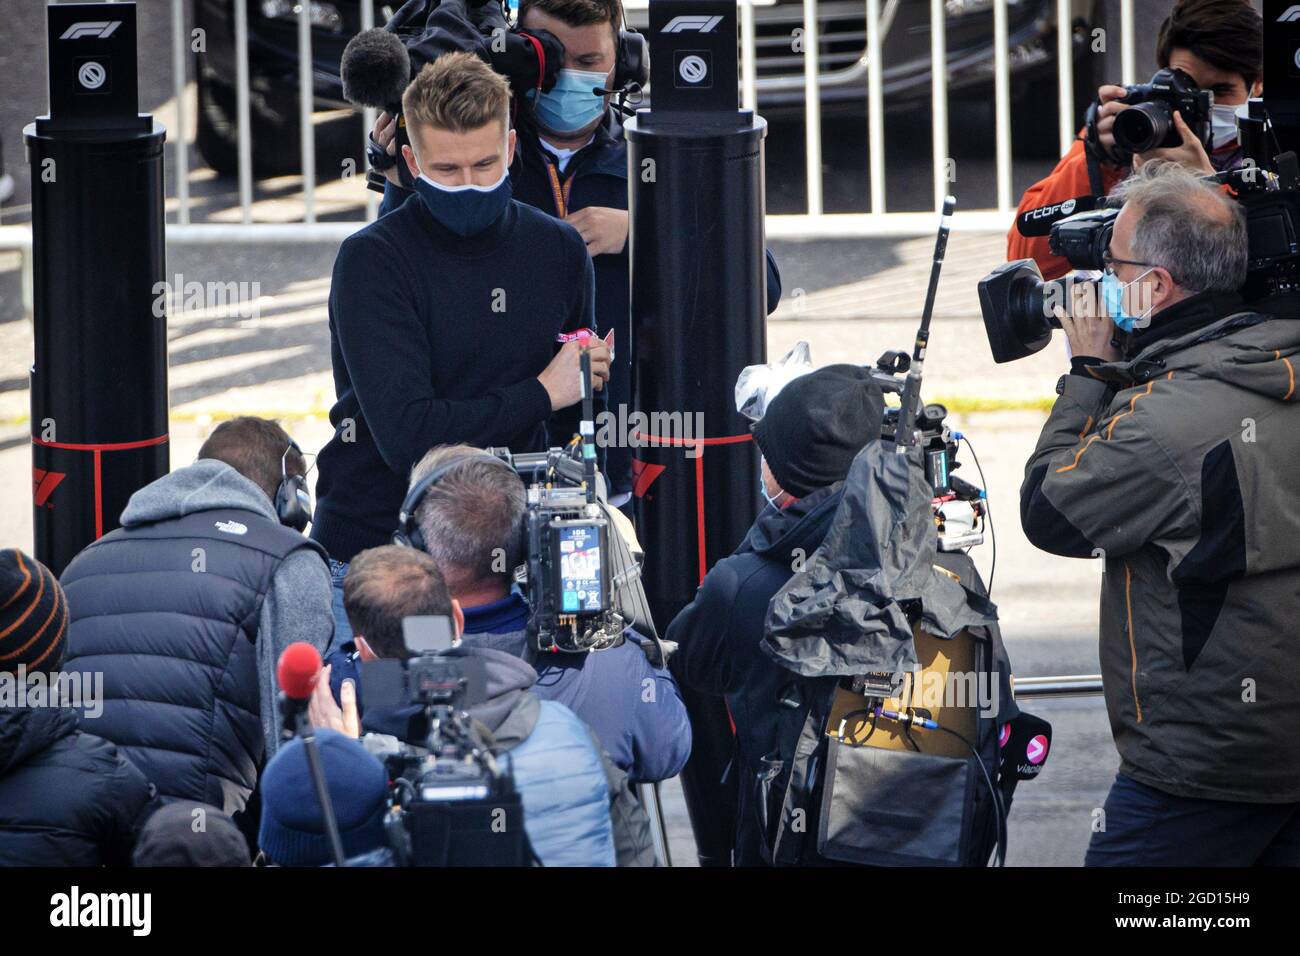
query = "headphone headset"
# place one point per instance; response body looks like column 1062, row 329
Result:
column 292, row 499
column 632, row 59
column 408, row 530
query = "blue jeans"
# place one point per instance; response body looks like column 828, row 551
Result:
column 1148, row 827
column 342, row 629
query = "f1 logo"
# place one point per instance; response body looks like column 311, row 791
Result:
column 91, row 28
column 43, row 485
column 1290, row 14
column 698, row 24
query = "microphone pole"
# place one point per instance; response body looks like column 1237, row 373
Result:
column 291, row 709
column 905, row 433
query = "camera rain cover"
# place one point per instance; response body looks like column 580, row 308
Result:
column 757, row 385
column 843, row 614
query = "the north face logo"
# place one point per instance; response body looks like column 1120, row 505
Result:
column 232, row 527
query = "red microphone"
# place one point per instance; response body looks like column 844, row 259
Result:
column 298, row 670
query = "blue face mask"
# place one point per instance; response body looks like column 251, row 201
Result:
column 1112, row 292
column 570, row 105
column 465, row 210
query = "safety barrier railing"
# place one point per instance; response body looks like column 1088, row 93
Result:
column 879, row 221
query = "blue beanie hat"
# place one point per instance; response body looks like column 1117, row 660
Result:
column 292, row 831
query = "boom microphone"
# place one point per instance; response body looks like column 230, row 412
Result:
column 375, row 70
column 1039, row 222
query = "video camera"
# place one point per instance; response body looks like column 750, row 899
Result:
column 581, row 579
column 451, row 803
column 1017, row 304
column 960, row 508
column 378, row 64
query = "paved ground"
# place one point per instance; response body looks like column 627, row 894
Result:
column 849, row 299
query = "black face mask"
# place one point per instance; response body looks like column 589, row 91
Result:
column 465, row 210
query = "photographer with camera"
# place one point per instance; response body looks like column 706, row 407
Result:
column 578, row 810
column 422, row 300
column 470, row 521
column 1171, row 455
column 572, row 164
column 1204, row 46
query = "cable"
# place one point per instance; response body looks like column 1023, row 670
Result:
column 988, row 510
column 999, row 814
column 999, row 817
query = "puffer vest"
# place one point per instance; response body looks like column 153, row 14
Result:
column 168, row 613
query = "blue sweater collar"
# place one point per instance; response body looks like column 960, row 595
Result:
column 510, row 613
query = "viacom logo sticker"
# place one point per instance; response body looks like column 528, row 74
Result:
column 1004, row 735
column 1036, row 749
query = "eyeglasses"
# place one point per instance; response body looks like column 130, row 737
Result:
column 1108, row 262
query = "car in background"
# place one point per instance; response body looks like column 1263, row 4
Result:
column 842, row 57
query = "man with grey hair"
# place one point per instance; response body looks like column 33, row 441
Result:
column 470, row 521
column 1171, row 454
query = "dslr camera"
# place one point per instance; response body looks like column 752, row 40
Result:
column 1017, row 304
column 450, row 803
column 1149, row 122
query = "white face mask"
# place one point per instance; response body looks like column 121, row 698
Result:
column 1223, row 122
column 762, row 486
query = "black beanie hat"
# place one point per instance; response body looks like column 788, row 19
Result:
column 186, row 833
column 33, row 614
column 816, row 426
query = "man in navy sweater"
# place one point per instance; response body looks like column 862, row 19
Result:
column 572, row 164
column 444, row 316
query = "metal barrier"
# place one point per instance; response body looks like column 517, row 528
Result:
column 1077, row 685
column 879, row 16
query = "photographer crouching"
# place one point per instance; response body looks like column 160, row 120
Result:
column 1171, row 454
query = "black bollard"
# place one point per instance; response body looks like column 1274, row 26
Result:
column 99, row 379
column 699, row 299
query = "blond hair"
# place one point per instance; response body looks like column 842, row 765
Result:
column 457, row 92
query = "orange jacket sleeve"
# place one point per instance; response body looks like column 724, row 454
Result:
column 1068, row 180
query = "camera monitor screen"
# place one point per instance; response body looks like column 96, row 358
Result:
column 582, row 578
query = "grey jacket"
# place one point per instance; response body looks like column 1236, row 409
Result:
column 1180, row 467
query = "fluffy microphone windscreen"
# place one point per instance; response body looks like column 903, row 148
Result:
column 375, row 69
column 297, row 670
